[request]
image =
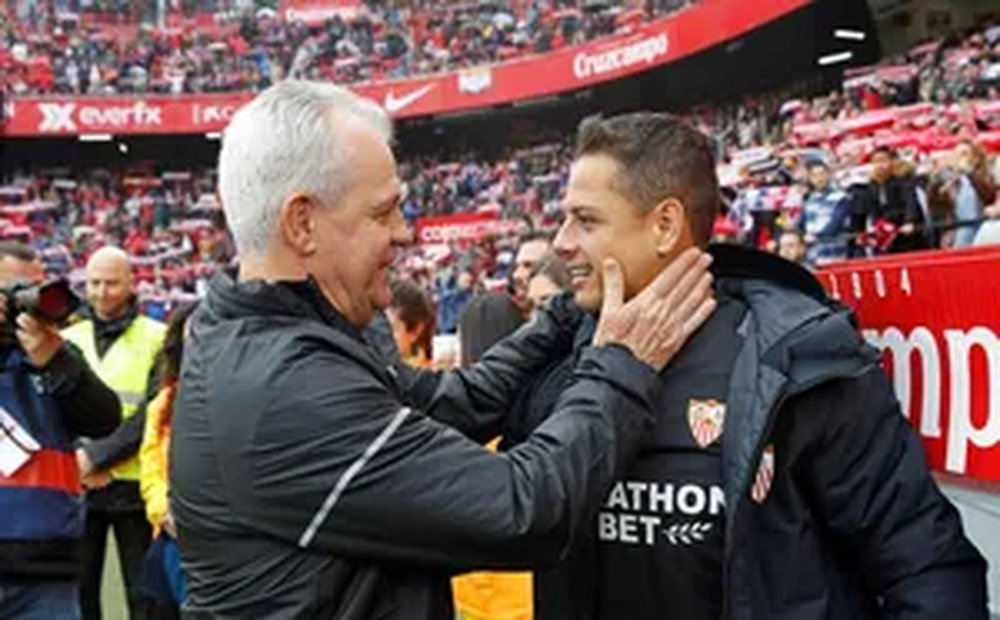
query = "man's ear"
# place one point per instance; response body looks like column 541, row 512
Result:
column 296, row 223
column 670, row 226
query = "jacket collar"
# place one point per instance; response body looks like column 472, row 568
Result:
column 796, row 339
column 111, row 330
column 799, row 331
column 230, row 298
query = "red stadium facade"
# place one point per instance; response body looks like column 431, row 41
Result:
column 651, row 46
column 936, row 319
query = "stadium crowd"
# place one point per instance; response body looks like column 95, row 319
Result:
column 897, row 160
column 248, row 51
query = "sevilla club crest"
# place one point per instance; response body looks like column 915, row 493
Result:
column 765, row 476
column 706, row 418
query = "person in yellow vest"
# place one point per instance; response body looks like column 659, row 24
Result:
column 121, row 346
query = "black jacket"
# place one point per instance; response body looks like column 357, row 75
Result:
column 89, row 409
column 895, row 201
column 854, row 527
column 124, row 442
column 303, row 485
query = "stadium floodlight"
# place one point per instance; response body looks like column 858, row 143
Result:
column 214, row 135
column 832, row 59
column 849, row 34
column 95, row 137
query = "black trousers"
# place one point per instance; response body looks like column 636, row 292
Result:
column 132, row 534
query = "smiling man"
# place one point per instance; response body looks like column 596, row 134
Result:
column 781, row 480
column 120, row 344
column 305, row 482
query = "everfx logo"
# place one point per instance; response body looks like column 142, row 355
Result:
column 57, row 117
column 60, row 117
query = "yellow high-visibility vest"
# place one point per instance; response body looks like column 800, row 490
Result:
column 124, row 368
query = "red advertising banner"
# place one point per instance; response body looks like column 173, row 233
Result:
column 651, row 45
column 315, row 12
column 462, row 227
column 121, row 115
column 936, row 317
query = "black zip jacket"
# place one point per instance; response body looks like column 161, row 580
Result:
column 854, row 527
column 305, row 485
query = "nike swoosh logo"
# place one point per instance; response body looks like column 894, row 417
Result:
column 393, row 105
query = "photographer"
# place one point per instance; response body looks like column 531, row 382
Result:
column 961, row 192
column 48, row 398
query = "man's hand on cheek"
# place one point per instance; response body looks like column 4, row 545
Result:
column 656, row 323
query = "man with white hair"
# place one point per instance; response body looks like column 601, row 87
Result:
column 121, row 346
column 305, row 482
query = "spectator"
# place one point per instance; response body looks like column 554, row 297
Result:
column 488, row 318
column 825, row 218
column 792, row 246
column 163, row 577
column 412, row 317
column 966, row 189
column 260, row 50
column 548, row 278
column 890, row 196
column 121, row 346
column 531, row 250
column 454, row 300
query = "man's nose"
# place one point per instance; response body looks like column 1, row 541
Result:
column 563, row 245
column 401, row 233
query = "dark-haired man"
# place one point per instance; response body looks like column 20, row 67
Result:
column 781, row 480
column 890, row 197
column 532, row 249
column 826, row 217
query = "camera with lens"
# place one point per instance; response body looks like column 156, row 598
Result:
column 52, row 301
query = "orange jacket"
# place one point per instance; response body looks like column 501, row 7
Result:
column 493, row 596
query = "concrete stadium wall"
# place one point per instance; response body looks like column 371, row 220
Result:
column 980, row 509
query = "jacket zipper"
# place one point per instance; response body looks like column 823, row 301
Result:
column 772, row 417
column 758, row 451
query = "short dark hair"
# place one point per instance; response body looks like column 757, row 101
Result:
column 17, row 251
column 792, row 231
column 488, row 319
column 885, row 150
column 414, row 304
column 415, row 308
column 659, row 156
column 553, row 268
column 535, row 235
